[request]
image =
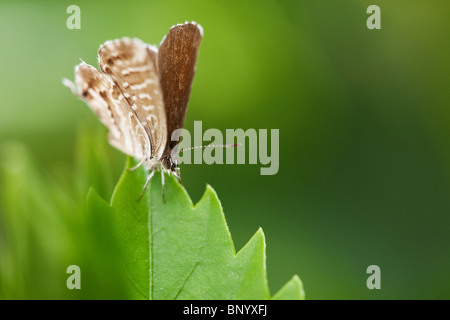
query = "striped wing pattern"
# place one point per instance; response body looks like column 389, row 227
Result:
column 131, row 65
column 105, row 98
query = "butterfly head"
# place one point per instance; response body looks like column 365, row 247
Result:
column 171, row 164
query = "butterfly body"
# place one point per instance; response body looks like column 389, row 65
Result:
column 141, row 93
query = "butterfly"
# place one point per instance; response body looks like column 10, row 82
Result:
column 141, row 94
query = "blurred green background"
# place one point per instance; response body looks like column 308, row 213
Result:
column 364, row 123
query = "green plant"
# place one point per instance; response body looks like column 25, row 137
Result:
column 126, row 249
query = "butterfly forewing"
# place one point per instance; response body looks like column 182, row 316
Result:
column 131, row 65
column 105, row 98
column 177, row 56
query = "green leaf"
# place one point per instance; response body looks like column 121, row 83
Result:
column 178, row 250
column 293, row 290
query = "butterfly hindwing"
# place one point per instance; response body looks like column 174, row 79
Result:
column 105, row 98
column 131, row 64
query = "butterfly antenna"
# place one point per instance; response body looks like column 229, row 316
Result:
column 232, row 145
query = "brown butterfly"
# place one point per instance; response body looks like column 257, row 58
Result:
column 141, row 94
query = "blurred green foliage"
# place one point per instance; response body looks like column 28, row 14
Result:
column 46, row 227
column 364, row 123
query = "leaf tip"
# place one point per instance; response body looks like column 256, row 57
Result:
column 292, row 290
column 211, row 195
column 92, row 194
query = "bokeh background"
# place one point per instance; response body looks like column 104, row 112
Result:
column 364, row 124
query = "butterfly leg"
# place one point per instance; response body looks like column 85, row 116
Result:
column 138, row 165
column 177, row 174
column 146, row 184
